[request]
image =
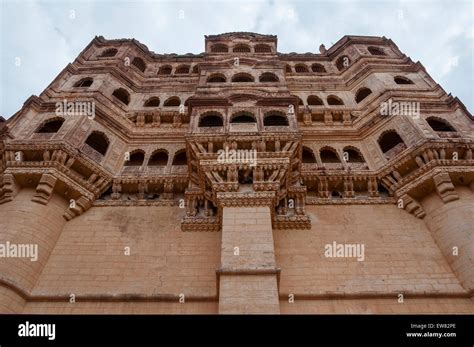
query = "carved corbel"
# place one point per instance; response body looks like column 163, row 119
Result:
column 411, row 206
column 45, row 188
column 77, row 207
column 168, row 190
column 116, row 190
column 444, row 187
column 9, row 188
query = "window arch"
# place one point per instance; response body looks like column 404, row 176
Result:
column 313, row 100
column 376, row 50
column 329, row 155
column 389, row 140
column 195, row 69
column 308, row 156
column 402, row 80
column 316, row 67
column 154, row 101
column 268, row 77
column 288, row 68
column 51, row 126
column 334, row 100
column 242, row 78
column 343, row 62
column 217, row 78
column 122, row 95
column 158, row 158
column 241, row 49
column 353, row 155
column 243, row 117
column 180, row 158
column 165, row 70
column 211, row 119
column 109, row 52
column 172, row 101
column 301, row 68
column 262, row 48
column 219, row 48
column 139, row 64
column 275, row 119
column 182, row 70
column 98, row 141
column 85, row 82
column 440, row 125
column 136, row 158
column 362, row 93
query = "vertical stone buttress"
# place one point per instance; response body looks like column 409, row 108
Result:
column 450, row 218
column 248, row 277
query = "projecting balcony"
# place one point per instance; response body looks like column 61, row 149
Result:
column 131, row 170
column 92, row 153
column 179, row 169
column 333, row 166
column 277, row 128
column 156, row 170
column 210, row 130
column 243, row 128
column 42, row 136
column 448, row 134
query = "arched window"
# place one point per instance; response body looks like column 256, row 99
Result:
column 243, row 118
column 316, row 67
column 301, row 68
column 139, row 64
column 172, row 101
column 136, row 158
column 300, row 101
column 153, row 102
column 275, row 119
column 219, row 48
column 213, row 119
column 85, row 82
column 195, row 69
column 122, row 95
column 109, row 52
column 440, row 125
column 51, row 126
column 353, row 155
column 313, row 100
column 343, row 62
column 308, row 156
column 98, row 142
column 165, row 70
column 241, row 49
column 402, row 80
column 217, row 78
column 390, row 140
column 261, row 48
column 288, row 68
column 362, row 93
column 334, row 100
column 329, row 155
column 180, row 158
column 158, row 158
column 376, row 51
column 268, row 77
column 182, row 70
column 242, row 78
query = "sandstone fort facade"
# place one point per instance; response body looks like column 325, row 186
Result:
column 114, row 173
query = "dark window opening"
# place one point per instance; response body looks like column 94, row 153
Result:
column 98, row 142
column 51, row 126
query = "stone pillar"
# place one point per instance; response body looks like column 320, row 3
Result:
column 451, row 223
column 248, row 277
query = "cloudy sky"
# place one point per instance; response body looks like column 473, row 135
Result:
column 39, row 38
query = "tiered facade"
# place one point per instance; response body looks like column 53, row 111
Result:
column 124, row 172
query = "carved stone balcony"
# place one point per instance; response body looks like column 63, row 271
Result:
column 243, row 127
column 395, row 150
column 179, row 169
column 448, row 134
column 92, row 153
column 43, row 136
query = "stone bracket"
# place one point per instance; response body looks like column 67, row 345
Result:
column 45, row 188
column 444, row 187
column 77, row 207
column 412, row 206
column 9, row 188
